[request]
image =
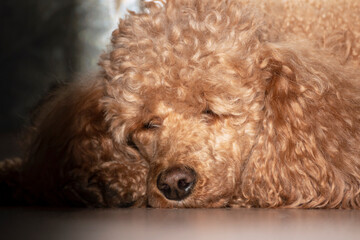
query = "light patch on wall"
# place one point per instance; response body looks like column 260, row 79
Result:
column 96, row 20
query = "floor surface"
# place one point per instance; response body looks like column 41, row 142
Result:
column 105, row 224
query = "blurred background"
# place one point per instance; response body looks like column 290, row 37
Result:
column 47, row 41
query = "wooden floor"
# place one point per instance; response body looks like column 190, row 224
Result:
column 223, row 224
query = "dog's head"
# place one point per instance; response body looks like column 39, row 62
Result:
column 187, row 84
column 182, row 96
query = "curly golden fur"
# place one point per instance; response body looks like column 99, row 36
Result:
column 257, row 102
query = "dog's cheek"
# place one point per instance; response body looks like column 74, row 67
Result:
column 217, row 189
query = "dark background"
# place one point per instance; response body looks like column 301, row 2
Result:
column 43, row 42
column 37, row 49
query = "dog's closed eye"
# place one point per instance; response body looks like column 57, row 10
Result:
column 209, row 112
column 154, row 123
column 209, row 116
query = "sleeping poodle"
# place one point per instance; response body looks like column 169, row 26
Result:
column 206, row 103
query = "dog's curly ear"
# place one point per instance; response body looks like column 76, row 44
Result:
column 307, row 148
column 73, row 157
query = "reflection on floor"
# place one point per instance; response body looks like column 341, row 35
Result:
column 277, row 224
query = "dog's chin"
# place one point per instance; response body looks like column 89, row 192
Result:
column 158, row 201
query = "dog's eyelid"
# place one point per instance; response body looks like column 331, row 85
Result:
column 209, row 116
column 208, row 111
column 150, row 125
column 154, row 123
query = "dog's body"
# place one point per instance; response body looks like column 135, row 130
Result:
column 208, row 104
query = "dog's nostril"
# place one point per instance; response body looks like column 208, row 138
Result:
column 176, row 183
column 183, row 184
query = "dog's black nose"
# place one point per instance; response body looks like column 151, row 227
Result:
column 176, row 183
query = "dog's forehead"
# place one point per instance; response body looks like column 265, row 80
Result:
column 162, row 101
column 162, row 58
column 172, row 44
column 163, row 107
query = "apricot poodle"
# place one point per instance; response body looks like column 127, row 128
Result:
column 207, row 103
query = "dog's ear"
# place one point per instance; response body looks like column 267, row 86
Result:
column 73, row 151
column 305, row 154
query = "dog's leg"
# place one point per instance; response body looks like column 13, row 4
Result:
column 110, row 184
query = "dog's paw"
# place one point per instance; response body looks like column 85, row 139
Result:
column 112, row 184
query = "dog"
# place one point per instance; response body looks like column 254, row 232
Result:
column 206, row 103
